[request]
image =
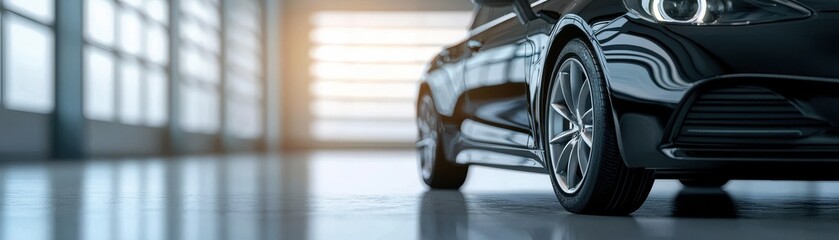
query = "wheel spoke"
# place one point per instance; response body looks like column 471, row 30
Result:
column 563, row 111
column 582, row 157
column 586, row 134
column 583, row 99
column 565, row 80
column 563, row 136
column 423, row 126
column 577, row 78
column 561, row 163
column 571, row 170
column 587, row 116
column 424, row 142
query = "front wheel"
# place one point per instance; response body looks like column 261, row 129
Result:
column 581, row 149
column 436, row 170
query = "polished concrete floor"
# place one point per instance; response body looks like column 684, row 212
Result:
column 371, row 195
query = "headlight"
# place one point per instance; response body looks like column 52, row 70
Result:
column 716, row 12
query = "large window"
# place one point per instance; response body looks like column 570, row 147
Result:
column 243, row 70
column 126, row 60
column 28, row 67
column 200, row 53
column 365, row 68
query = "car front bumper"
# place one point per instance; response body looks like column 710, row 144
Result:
column 656, row 73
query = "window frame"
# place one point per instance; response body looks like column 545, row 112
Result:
column 119, row 56
column 232, row 97
column 194, row 85
column 5, row 13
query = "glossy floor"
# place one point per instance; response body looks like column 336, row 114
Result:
column 372, row 195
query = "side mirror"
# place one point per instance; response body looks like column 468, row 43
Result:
column 522, row 8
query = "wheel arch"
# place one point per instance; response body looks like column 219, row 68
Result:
column 451, row 122
column 569, row 27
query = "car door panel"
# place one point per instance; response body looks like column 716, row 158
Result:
column 495, row 83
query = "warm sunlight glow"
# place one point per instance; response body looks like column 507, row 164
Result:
column 371, row 72
column 424, row 19
column 385, row 92
column 387, row 36
column 374, row 54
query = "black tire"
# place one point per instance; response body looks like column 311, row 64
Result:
column 611, row 188
column 443, row 173
column 704, row 182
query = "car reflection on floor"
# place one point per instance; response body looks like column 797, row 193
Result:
column 371, row 195
column 694, row 213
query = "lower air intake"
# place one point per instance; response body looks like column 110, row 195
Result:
column 744, row 116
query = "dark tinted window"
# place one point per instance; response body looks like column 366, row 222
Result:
column 498, row 12
column 487, row 14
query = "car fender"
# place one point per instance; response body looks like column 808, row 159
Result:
column 568, row 23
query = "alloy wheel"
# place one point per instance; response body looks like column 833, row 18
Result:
column 570, row 121
column 427, row 124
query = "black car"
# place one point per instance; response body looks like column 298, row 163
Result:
column 608, row 95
